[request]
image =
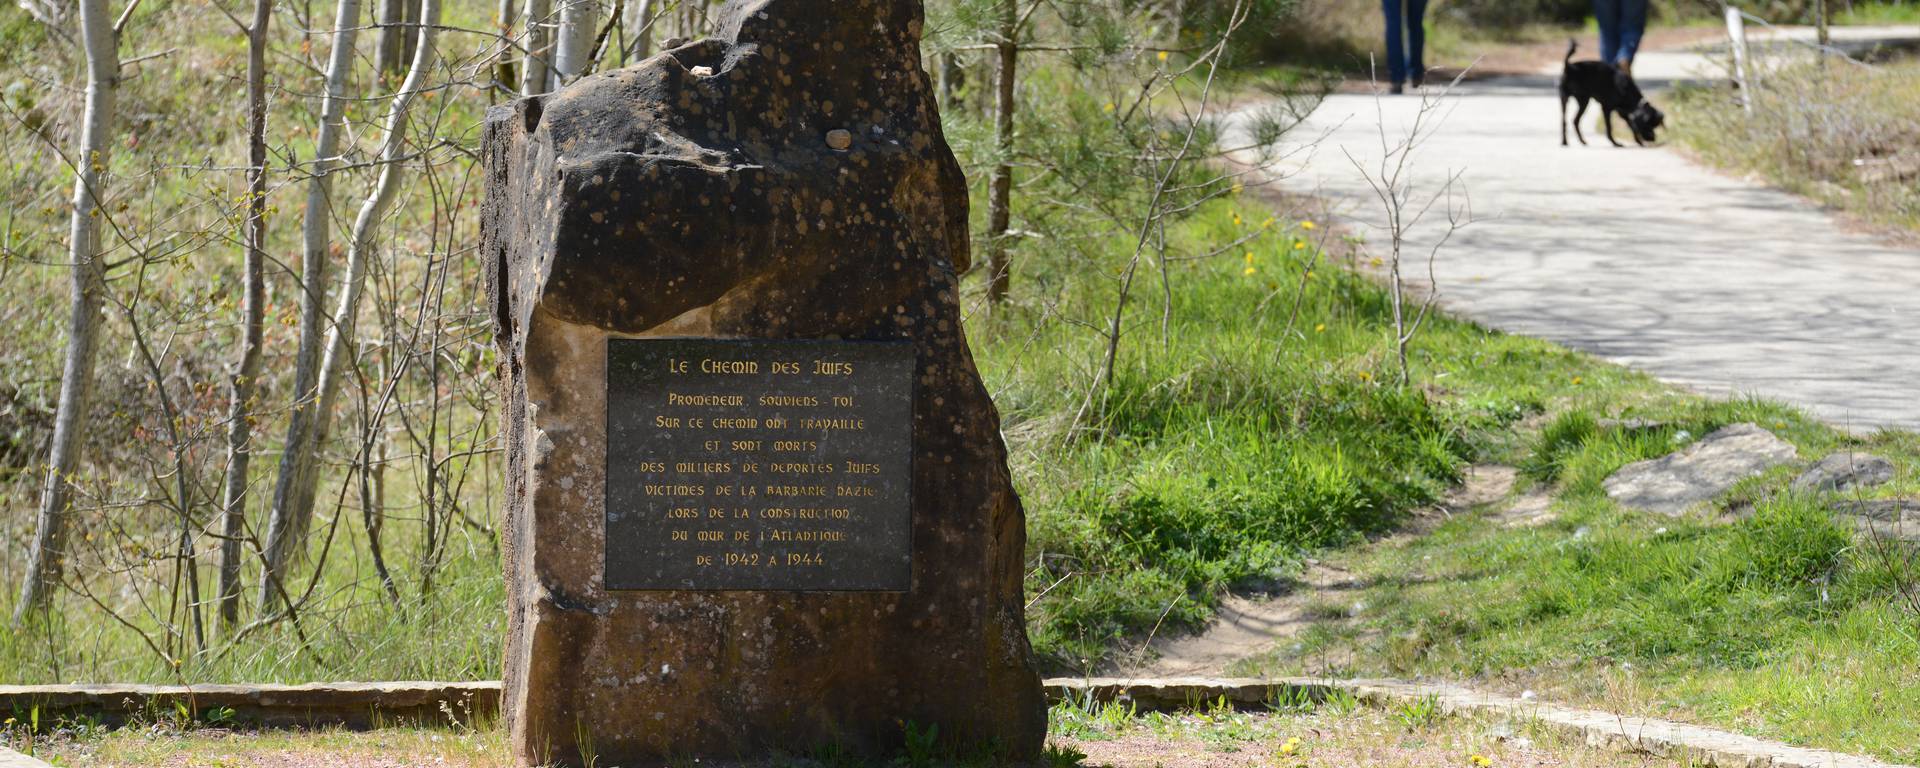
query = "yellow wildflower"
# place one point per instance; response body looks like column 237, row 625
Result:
column 1308, row 224
column 1576, row 380
column 1365, row 376
column 1163, row 55
column 1248, row 271
column 1479, row 761
column 1109, row 106
column 1249, row 258
column 1320, row 328
column 1299, row 244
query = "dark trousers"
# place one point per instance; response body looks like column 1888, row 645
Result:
column 1406, row 38
column 1622, row 23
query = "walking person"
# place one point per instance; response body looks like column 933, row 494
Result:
column 1406, row 39
column 1622, row 24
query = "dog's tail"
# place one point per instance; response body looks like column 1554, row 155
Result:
column 1571, row 44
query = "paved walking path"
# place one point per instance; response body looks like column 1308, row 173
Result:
column 1638, row 255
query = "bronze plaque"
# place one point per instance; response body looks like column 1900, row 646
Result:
column 748, row 464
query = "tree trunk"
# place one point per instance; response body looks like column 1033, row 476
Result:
column 389, row 50
column 640, row 32
column 242, row 386
column 316, row 238
column 535, row 75
column 503, row 77
column 299, row 468
column 46, row 559
column 573, row 50
column 1000, row 186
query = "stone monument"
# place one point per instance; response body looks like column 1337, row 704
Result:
column 757, row 501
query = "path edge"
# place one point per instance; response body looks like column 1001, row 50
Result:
column 369, row 705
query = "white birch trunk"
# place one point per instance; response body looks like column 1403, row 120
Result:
column 300, row 470
column 316, row 237
column 47, row 557
column 573, row 50
column 536, row 75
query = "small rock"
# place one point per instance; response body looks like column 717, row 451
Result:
column 1845, row 471
column 701, row 71
column 839, row 139
column 1883, row 518
column 1673, row 483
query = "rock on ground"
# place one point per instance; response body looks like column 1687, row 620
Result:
column 1673, row 483
column 1845, row 471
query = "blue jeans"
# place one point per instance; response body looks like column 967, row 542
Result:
column 1406, row 36
column 1622, row 23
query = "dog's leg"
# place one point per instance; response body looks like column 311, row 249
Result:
column 1563, row 116
column 1578, row 115
column 1606, row 118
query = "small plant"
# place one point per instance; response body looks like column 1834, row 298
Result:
column 1057, row 756
column 1418, row 713
column 1290, row 699
column 1341, row 702
column 583, row 741
column 1561, row 438
column 922, row 745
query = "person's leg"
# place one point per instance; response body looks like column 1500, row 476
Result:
column 1417, row 40
column 1606, row 13
column 1396, row 52
column 1633, row 26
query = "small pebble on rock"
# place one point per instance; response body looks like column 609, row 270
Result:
column 839, row 138
column 702, row 71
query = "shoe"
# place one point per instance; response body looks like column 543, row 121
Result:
column 1397, row 89
column 1418, row 82
column 1626, row 67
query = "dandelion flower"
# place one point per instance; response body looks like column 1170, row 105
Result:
column 1576, row 380
column 1308, row 224
column 1478, row 760
column 1366, row 376
column 1298, row 245
column 1249, row 258
column 1249, row 271
column 1320, row 328
column 1163, row 55
column 1236, row 219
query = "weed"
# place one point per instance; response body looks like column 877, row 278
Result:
column 922, row 748
column 1417, row 713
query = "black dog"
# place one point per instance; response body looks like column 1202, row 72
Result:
column 1616, row 92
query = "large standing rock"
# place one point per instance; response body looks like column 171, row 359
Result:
column 788, row 180
column 1698, row 473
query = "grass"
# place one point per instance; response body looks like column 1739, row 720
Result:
column 1843, row 135
column 1336, row 732
column 1897, row 12
column 1763, row 615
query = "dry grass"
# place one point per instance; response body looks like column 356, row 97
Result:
column 1845, row 135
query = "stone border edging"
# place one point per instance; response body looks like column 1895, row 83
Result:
column 1662, row 738
column 365, row 705
column 353, row 705
column 12, row 759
